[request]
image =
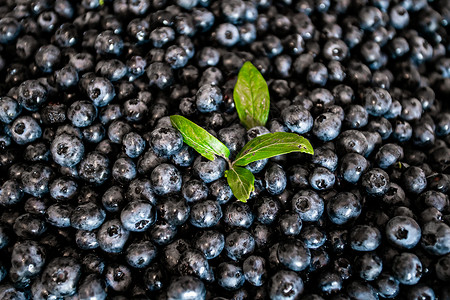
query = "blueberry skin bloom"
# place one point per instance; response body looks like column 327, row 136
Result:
column 101, row 91
column 112, row 236
column 209, row 171
column 138, row 216
column 365, row 238
column 67, row 150
column 403, row 232
column 308, row 204
column 377, row 101
column 166, row 179
column 186, row 288
column 343, row 207
column 297, row 119
column 407, row 268
column 9, row 109
column 166, row 141
column 27, row 259
column 210, row 243
column 376, row 182
column 294, row 255
column 208, row 98
column 94, row 168
column 327, row 127
column 436, row 238
column 25, row 130
column 87, row 216
column 285, row 285
column 61, row 276
column 230, row 276
column 205, row 214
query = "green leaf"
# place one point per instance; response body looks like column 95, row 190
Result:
column 270, row 145
column 241, row 182
column 251, row 97
column 199, row 139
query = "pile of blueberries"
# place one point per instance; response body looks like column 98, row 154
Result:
column 101, row 199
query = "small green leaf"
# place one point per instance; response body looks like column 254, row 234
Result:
column 199, row 139
column 241, row 182
column 270, row 145
column 251, row 97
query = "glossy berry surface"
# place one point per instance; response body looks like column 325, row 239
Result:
column 101, row 197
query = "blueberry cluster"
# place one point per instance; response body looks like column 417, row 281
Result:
column 101, row 199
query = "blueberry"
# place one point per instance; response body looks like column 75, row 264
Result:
column 82, row 113
column 25, row 130
column 27, row 260
column 266, row 210
column 208, row 98
column 297, row 119
column 321, row 179
column 329, row 283
column 59, row 215
column 87, row 217
column 254, row 270
column 86, row 240
column 210, row 243
column 10, row 29
column 387, row 286
column 414, row 180
column 47, row 58
column 205, row 214
column 166, row 141
column 124, row 170
column 138, row 216
column 176, row 57
column 35, row 179
column 92, row 286
column 153, row 278
column 275, row 179
column 227, row 34
column 352, row 167
column 9, row 109
column 8, row 291
column 361, row 290
column 238, row 244
column 285, row 285
column 209, row 171
column 166, row 179
column 407, row 268
column 435, row 238
column 194, row 190
column 94, row 168
column 403, row 232
column 61, row 276
column 140, row 254
column 10, row 193
column 186, row 287
column 238, row 214
column 369, row 266
column 376, row 182
column 308, row 204
column 230, row 276
column 118, row 277
column 325, row 157
column 290, row 224
column 174, row 210
column 294, row 255
column 101, row 91
column 388, row 155
column 365, row 238
column 113, row 69
column 327, row 126
column 112, row 236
